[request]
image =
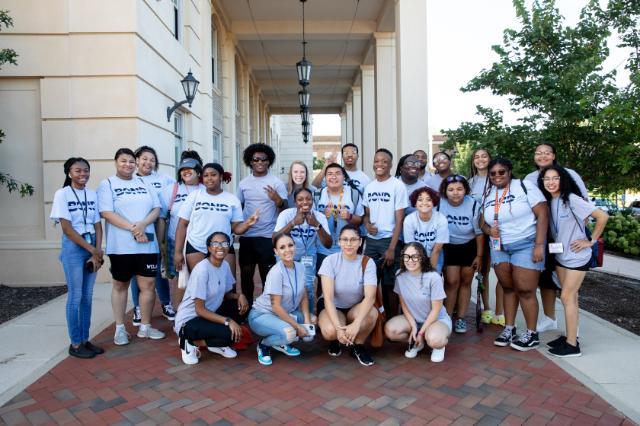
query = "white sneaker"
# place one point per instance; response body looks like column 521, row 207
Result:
column 437, row 355
column 121, row 337
column 147, row 332
column 545, row 324
column 225, row 351
column 412, row 351
column 190, row 353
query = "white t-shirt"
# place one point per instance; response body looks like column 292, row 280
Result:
column 418, row 291
column 410, row 188
column 339, row 202
column 303, row 235
column 252, row 195
column 81, row 208
column 284, row 282
column 463, row 219
column 567, row 225
column 477, row 184
column 182, row 193
column 207, row 214
column 434, row 182
column 533, row 177
column 430, row 233
column 157, row 180
column 383, row 200
column 515, row 217
column 208, row 283
column 348, row 279
column 133, row 200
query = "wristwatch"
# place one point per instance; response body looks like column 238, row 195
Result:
column 227, row 321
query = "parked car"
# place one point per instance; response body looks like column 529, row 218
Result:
column 606, row 205
column 635, row 208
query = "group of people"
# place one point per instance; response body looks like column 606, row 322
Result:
column 324, row 249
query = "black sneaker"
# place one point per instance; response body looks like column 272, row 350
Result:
column 506, row 337
column 93, row 348
column 137, row 316
column 81, row 352
column 361, row 354
column 557, row 342
column 527, row 341
column 168, row 312
column 566, row 350
column 334, row 348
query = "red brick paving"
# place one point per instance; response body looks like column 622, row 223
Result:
column 146, row 383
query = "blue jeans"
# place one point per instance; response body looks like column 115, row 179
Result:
column 162, row 288
column 80, row 289
column 309, row 278
column 272, row 328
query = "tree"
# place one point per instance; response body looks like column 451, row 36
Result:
column 8, row 56
column 554, row 80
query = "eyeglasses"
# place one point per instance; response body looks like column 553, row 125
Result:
column 260, row 159
column 455, row 178
column 500, row 172
column 216, row 244
column 441, row 158
column 349, row 240
column 551, row 179
column 412, row 163
column 411, row 257
column 541, row 153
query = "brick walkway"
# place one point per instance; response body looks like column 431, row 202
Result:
column 146, row 382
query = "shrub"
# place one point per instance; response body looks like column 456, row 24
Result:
column 622, row 234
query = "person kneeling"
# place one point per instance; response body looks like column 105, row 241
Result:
column 421, row 294
column 210, row 309
column 281, row 313
column 346, row 312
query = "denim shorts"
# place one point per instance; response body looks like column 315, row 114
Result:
column 518, row 253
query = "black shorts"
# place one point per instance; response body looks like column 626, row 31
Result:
column 460, row 254
column 320, row 306
column 584, row 267
column 191, row 249
column 546, row 277
column 256, row 250
column 125, row 266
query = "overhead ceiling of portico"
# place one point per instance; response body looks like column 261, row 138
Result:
column 339, row 34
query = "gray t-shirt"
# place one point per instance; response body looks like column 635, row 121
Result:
column 477, row 184
column 429, row 233
column 285, row 282
column 567, row 225
column 533, row 177
column 251, row 193
column 463, row 219
column 418, row 291
column 208, row 283
column 348, row 279
column 434, row 182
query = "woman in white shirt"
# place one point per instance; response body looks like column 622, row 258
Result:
column 130, row 208
column 424, row 318
column 75, row 207
column 571, row 247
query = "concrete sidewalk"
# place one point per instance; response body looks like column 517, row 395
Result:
column 618, row 265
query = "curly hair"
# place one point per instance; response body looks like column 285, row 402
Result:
column 425, row 262
column 252, row 149
column 435, row 198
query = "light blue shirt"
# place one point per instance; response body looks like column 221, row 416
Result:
column 462, row 219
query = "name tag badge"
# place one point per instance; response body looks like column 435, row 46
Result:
column 495, row 243
column 307, row 260
column 556, row 248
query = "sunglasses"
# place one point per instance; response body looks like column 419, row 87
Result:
column 455, row 178
column 500, row 172
column 412, row 163
column 223, row 244
column 260, row 159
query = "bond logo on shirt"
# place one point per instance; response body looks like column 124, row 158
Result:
column 356, row 182
column 180, row 198
column 156, row 185
column 218, row 207
column 300, row 232
column 129, row 191
column 321, row 207
column 79, row 206
column 385, row 197
column 458, row 220
column 507, row 200
column 424, row 236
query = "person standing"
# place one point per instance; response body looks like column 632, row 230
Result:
column 130, row 208
column 354, row 177
column 75, row 207
column 423, row 173
column 384, row 200
column 298, row 178
column 264, row 193
column 407, row 172
column 442, row 163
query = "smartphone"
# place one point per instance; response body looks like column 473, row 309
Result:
column 150, row 236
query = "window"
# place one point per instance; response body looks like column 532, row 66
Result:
column 217, row 147
column 214, row 55
column 179, row 137
column 176, row 19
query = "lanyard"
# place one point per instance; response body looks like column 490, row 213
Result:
column 336, row 211
column 85, row 208
column 555, row 223
column 498, row 203
column 294, row 290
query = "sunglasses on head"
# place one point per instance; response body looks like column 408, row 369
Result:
column 455, row 178
column 500, row 172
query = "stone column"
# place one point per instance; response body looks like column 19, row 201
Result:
column 368, row 110
column 385, row 84
column 349, row 110
column 356, row 92
column 343, row 126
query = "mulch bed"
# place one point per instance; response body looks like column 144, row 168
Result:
column 613, row 298
column 15, row 301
